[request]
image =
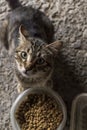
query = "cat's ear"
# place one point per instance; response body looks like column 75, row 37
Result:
column 23, row 33
column 54, row 47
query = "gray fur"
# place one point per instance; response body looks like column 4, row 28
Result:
column 28, row 33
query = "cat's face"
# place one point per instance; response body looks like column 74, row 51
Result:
column 34, row 58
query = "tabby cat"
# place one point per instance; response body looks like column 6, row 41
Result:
column 27, row 33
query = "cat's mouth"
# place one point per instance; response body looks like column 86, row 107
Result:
column 31, row 74
column 27, row 74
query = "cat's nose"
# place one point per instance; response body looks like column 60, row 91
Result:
column 29, row 68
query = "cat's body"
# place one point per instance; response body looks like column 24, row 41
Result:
column 35, row 21
column 28, row 32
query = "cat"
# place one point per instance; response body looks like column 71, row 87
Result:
column 27, row 33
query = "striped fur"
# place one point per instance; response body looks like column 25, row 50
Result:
column 28, row 32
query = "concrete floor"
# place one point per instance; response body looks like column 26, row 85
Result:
column 70, row 21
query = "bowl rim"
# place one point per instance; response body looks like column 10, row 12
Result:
column 33, row 90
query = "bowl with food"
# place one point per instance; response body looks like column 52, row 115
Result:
column 38, row 108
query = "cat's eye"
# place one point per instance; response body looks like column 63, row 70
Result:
column 24, row 55
column 40, row 61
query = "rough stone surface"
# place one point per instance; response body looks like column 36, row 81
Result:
column 70, row 78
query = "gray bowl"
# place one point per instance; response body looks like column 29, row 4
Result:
column 79, row 113
column 45, row 90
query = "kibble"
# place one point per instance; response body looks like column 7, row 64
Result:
column 39, row 112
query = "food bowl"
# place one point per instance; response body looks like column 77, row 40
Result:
column 37, row 90
column 79, row 113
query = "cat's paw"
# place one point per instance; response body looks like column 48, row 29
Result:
column 20, row 88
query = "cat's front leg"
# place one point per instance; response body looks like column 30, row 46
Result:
column 20, row 88
column 49, row 84
column 3, row 33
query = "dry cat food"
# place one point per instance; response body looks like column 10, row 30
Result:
column 39, row 112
